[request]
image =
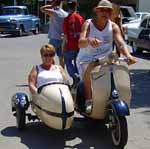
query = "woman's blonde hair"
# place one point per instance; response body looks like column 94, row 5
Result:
column 47, row 48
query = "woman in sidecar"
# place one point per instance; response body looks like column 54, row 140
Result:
column 51, row 98
column 47, row 71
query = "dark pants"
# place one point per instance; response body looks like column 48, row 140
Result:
column 70, row 62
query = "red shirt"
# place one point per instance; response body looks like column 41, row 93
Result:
column 72, row 28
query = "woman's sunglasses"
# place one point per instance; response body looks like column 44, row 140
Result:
column 48, row 55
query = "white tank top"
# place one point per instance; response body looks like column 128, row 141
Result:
column 47, row 76
column 89, row 53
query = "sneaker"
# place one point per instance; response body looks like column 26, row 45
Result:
column 88, row 106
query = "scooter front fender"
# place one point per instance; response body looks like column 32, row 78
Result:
column 121, row 108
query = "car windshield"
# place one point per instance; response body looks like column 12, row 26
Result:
column 128, row 12
column 11, row 11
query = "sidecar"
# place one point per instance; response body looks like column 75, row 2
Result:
column 53, row 105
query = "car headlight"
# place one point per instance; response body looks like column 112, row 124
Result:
column 13, row 21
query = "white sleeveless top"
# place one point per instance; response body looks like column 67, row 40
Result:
column 47, row 76
column 89, row 53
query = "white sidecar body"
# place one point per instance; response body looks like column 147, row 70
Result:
column 101, row 87
column 54, row 106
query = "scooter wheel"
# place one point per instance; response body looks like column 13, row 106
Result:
column 20, row 118
column 119, row 131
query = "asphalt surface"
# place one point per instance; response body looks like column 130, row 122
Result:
column 17, row 56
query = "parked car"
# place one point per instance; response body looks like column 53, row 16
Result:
column 141, row 15
column 17, row 20
column 142, row 42
column 128, row 14
column 130, row 29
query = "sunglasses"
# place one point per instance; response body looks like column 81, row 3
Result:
column 48, row 55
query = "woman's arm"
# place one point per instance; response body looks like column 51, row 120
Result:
column 32, row 79
column 64, row 74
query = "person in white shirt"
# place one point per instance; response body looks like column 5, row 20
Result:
column 47, row 71
column 55, row 33
column 95, row 41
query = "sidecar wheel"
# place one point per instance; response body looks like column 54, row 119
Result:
column 20, row 118
column 119, row 131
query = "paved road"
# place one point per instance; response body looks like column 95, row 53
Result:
column 17, row 55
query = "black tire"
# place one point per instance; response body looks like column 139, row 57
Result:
column 135, row 49
column 20, row 32
column 119, row 132
column 20, row 118
column 36, row 31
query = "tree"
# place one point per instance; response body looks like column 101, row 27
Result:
column 6, row 2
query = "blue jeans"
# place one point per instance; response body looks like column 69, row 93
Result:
column 70, row 62
column 57, row 44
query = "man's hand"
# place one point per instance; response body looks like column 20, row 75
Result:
column 94, row 42
column 131, row 60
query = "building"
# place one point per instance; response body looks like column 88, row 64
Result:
column 143, row 5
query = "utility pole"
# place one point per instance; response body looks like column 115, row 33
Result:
column 15, row 2
column 45, row 2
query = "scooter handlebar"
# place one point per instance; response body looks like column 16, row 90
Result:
column 109, row 61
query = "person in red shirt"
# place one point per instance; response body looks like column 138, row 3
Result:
column 72, row 28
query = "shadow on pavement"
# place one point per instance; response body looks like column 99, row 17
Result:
column 140, row 85
column 83, row 135
column 12, row 36
column 144, row 55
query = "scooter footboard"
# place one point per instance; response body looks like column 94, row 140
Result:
column 54, row 106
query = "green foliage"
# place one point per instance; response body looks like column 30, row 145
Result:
column 10, row 2
column 6, row 2
column 30, row 2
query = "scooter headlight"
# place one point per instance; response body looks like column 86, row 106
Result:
column 115, row 94
column 23, row 101
column 17, row 101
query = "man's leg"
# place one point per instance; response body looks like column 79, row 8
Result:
column 88, row 90
column 70, row 58
column 58, row 47
column 61, row 61
column 87, row 81
column 76, row 74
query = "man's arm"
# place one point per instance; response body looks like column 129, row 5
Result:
column 47, row 9
column 122, row 46
column 65, row 39
column 83, row 41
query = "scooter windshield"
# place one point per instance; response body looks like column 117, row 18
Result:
column 52, row 83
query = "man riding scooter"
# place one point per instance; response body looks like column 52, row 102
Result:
column 95, row 42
